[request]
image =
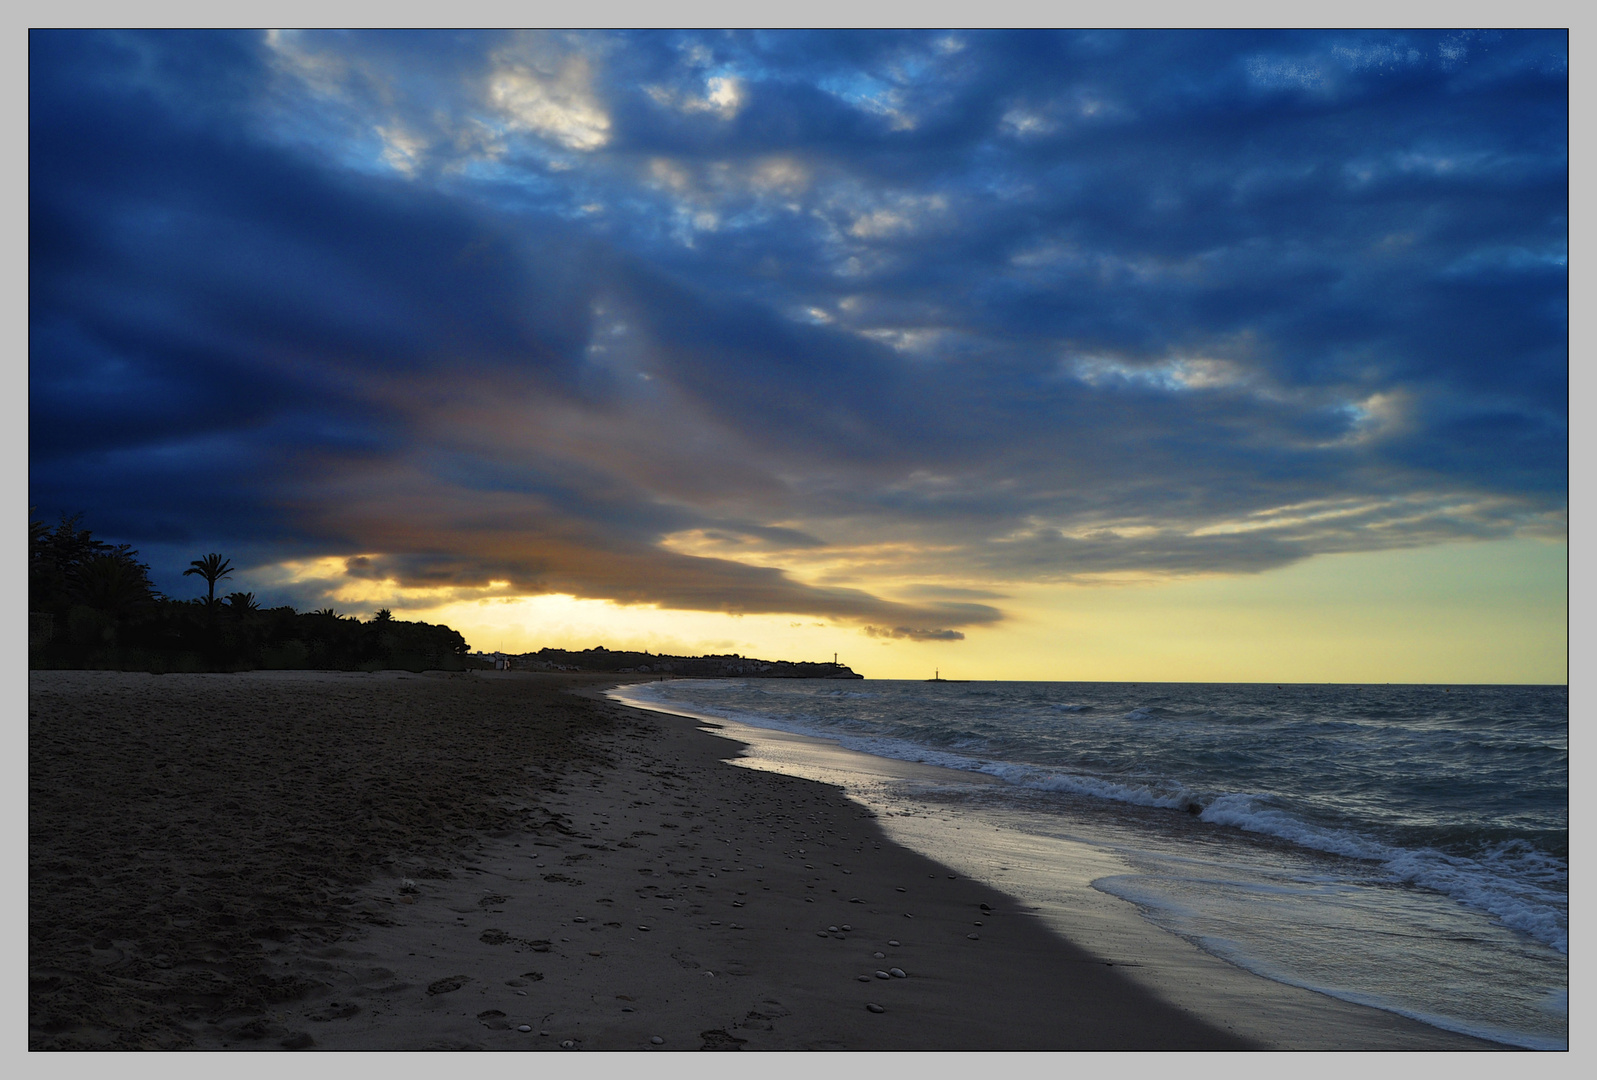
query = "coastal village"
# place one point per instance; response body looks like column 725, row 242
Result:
column 715, row 666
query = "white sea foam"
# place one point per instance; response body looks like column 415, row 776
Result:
column 1513, row 900
column 1518, row 904
column 1251, row 813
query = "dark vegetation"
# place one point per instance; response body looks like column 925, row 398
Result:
column 91, row 605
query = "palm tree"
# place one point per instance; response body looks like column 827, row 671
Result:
column 243, row 602
column 212, row 568
column 383, row 615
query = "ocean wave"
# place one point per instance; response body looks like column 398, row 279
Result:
column 1518, row 904
column 1505, row 891
column 1254, row 814
column 1519, row 885
column 1156, row 712
column 1151, row 793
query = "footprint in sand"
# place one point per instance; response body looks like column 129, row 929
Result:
column 448, row 984
column 334, row 1010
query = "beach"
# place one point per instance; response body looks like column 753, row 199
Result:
column 398, row 861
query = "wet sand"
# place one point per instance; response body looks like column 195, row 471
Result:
column 301, row 860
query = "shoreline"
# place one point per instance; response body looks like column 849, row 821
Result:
column 1269, row 1013
column 631, row 885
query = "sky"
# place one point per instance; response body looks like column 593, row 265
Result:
column 1125, row 355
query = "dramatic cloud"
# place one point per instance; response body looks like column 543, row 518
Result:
column 912, row 634
column 865, row 326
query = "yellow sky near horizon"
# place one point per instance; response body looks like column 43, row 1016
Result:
column 1482, row 612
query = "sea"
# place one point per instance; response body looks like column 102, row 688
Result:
column 1401, row 847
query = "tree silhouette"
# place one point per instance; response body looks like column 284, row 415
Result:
column 212, row 568
column 67, row 566
column 383, row 615
column 113, row 582
column 243, row 602
column 54, row 558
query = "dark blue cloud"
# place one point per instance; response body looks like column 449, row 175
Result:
column 620, row 314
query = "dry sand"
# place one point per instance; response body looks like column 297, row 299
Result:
column 391, row 861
